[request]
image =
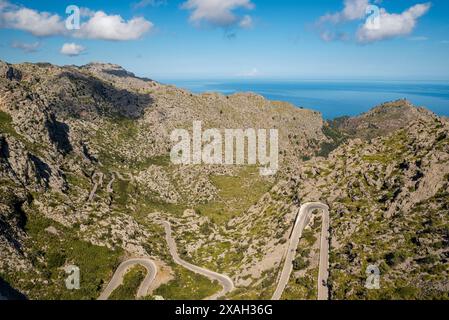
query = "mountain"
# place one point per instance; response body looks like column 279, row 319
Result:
column 86, row 176
column 389, row 207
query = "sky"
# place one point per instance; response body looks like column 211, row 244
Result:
column 236, row 39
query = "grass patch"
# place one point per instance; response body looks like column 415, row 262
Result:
column 187, row 285
column 236, row 194
column 380, row 157
column 130, row 285
column 6, row 124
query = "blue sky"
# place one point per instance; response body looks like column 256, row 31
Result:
column 258, row 39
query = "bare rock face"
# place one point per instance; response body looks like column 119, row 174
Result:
column 120, row 77
column 9, row 72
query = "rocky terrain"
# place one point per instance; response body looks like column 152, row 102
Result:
column 85, row 176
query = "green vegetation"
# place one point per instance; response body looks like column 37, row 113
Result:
column 187, row 285
column 395, row 258
column 221, row 255
column 262, row 291
column 236, row 194
column 309, row 236
column 130, row 285
column 331, row 131
column 6, row 124
column 300, row 263
column 50, row 252
column 122, row 189
column 302, row 287
column 384, row 158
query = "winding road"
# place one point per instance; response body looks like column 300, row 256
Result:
column 119, row 274
column 301, row 222
column 227, row 284
column 224, row 280
column 109, row 186
column 123, row 268
column 96, row 184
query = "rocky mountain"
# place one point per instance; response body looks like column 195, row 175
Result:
column 86, row 176
column 389, row 207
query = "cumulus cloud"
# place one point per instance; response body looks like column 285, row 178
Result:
column 26, row 47
column 393, row 25
column 97, row 25
column 86, row 12
column 218, row 13
column 72, row 49
column 113, row 27
column 353, row 10
column 40, row 24
column 390, row 25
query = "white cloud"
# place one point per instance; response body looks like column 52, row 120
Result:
column 393, row 25
column 98, row 25
column 72, row 49
column 218, row 13
column 246, row 22
column 37, row 23
column 26, row 47
column 86, row 12
column 113, row 27
column 390, row 25
column 353, row 10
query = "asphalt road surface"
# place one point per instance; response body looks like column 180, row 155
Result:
column 123, row 268
column 224, row 280
column 119, row 274
column 301, row 222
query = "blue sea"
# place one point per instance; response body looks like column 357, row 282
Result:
column 334, row 98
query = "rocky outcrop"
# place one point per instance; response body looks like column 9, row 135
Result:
column 381, row 120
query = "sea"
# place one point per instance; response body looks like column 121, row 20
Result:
column 333, row 98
